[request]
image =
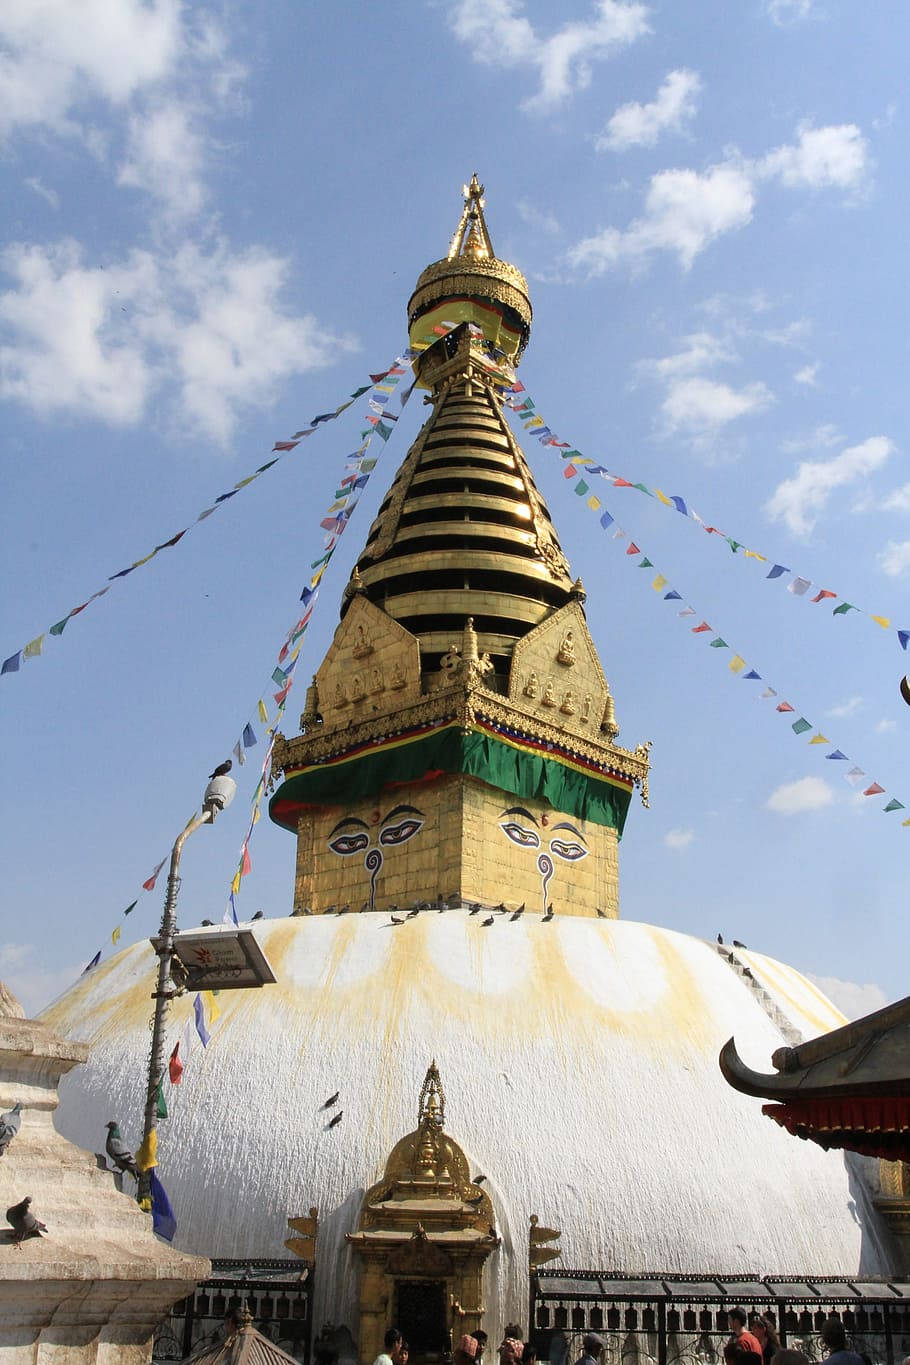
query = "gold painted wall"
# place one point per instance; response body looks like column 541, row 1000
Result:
column 455, row 836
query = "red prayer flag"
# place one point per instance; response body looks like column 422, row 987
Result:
column 621, row 483
column 784, row 706
column 150, row 884
column 820, row 596
column 285, row 445
column 633, row 549
column 697, row 630
column 569, row 472
column 245, row 865
column 175, row 1066
column 873, row 790
column 378, row 378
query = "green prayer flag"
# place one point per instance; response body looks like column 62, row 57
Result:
column 159, row 1097
column 581, row 488
column 894, row 804
column 843, row 609
column 367, row 465
column 58, row 628
column 643, row 488
column 646, row 564
column 719, row 644
column 130, row 908
column 799, row 727
column 734, row 544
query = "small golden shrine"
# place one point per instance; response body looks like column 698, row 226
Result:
column 425, row 1231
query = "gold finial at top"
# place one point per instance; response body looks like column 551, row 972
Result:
column 471, row 236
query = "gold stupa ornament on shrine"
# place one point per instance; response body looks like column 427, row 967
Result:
column 459, row 740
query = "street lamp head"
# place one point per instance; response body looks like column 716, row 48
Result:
column 218, row 794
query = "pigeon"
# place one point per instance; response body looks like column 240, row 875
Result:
column 395, row 920
column 206, row 924
column 333, row 1123
column 258, row 915
column 478, row 1179
column 222, row 770
column 500, row 908
column 746, row 972
column 9, row 1126
column 330, row 909
column 118, row 1151
column 365, row 906
column 731, row 958
column 386, row 1195
column 550, row 912
column 23, row 1222
column 333, row 1099
column 344, row 910
column 412, row 913
column 720, row 938
column 487, row 922
column 517, row 914
column 476, row 1199
column 737, row 944
column 601, row 914
column 475, row 909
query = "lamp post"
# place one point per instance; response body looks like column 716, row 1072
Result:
column 218, row 794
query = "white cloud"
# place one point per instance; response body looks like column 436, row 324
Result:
column 808, row 793
column 799, row 500
column 698, row 404
column 164, row 157
column 834, row 157
column 640, row 125
column 808, row 375
column 784, row 12
column 537, row 218
column 700, row 351
column 899, row 500
column 845, row 708
column 850, row 998
column 678, row 839
column 823, row 437
column 885, row 726
column 686, row 210
column 43, row 191
column 209, row 326
column 499, row 34
column 895, row 558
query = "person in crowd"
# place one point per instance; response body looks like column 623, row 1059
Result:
column 391, row 1353
column 736, row 1352
column 404, row 1352
column 740, row 1333
column 512, row 1345
column 466, row 1351
column 592, row 1345
column 764, row 1329
column 835, row 1338
column 787, row 1357
column 481, row 1339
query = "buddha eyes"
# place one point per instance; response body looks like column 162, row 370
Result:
column 520, row 834
column 400, row 833
column 346, row 844
column 570, row 852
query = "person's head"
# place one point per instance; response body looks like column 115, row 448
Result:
column 514, row 1331
column 833, row 1334
column 393, row 1340
column 404, row 1351
column 481, row 1339
column 737, row 1320
column 788, row 1357
column 529, row 1354
column 736, row 1353
column 592, row 1344
column 763, row 1325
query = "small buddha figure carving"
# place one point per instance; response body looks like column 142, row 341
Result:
column 358, row 691
column 484, row 664
column 532, row 686
column 549, row 697
column 568, row 707
column 376, row 682
column 362, row 643
column 341, row 698
column 586, row 705
column 566, row 653
column 398, row 678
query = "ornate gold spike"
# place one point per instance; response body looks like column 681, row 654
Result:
column 304, row 1245
column 431, row 1107
column 538, row 1252
column 471, row 237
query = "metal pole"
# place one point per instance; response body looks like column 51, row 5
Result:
column 165, row 990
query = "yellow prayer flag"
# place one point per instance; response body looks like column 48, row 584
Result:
column 235, row 884
column 883, row 621
column 147, row 1156
column 115, row 935
column 753, row 554
column 659, row 582
column 736, row 664
column 140, row 562
column 296, row 652
column 317, row 577
column 243, row 482
column 535, row 422
column 337, row 506
column 819, row 739
column 581, row 459
column 33, row 648
column 263, row 713
column 662, row 497
column 257, row 813
column 214, row 1012
column 905, row 823
column 593, row 503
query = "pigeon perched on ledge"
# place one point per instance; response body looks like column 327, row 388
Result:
column 9, row 1126
column 118, row 1151
column 222, row 770
column 23, row 1222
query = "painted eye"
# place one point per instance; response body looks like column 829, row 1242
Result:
column 400, row 833
column 570, row 852
column 520, row 834
column 346, row 844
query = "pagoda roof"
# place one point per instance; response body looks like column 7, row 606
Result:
column 849, row 1088
column 242, row 1346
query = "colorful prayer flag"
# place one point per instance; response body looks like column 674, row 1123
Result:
column 238, row 753
column 11, row 665
column 606, row 520
column 777, row 570
column 697, row 630
column 130, row 908
column 873, row 790
column 822, row 594
column 632, row 548
column 836, row 754
column 718, row 643
column 819, row 739
column 164, row 1222
column 214, row 1011
column 736, row 664
column 150, row 884
column 903, row 636
column 147, row 1155
column 175, row 1065
column 263, row 713
column 116, row 934
column 160, row 1102
column 94, row 962
column 799, row 586
column 894, row 804
column 659, row 582
column 799, row 727
column 249, row 739
column 752, row 676
column 672, row 596
column 784, row 706
column 855, row 776
column 199, row 1014
column 646, row 563
column 679, row 505
column 33, row 648
column 883, row 621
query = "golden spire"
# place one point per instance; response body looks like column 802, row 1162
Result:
column 471, row 236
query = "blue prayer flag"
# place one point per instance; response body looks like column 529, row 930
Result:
column 94, row 962
column 836, row 754
column 306, row 595
column 249, row 739
column 903, row 636
column 777, row 570
column 606, row 520
column 672, row 596
column 11, row 665
column 752, row 675
column 201, row 1029
column 679, row 505
column 163, row 1220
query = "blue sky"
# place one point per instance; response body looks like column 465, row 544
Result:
column 214, row 218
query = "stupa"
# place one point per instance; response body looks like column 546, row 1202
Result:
column 501, row 1045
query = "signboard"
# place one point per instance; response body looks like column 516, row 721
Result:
column 220, row 958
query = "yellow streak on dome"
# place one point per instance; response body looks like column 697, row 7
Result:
column 777, row 975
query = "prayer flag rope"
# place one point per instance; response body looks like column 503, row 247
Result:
column 737, row 664
column 524, row 407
